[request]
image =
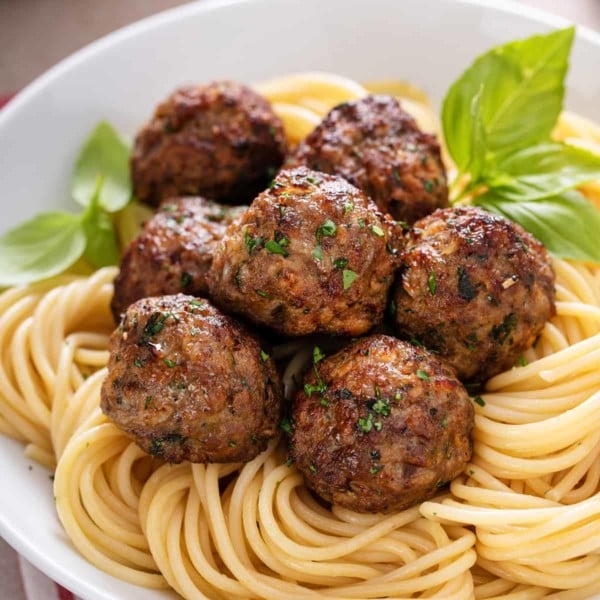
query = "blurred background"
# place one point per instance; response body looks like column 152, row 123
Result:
column 35, row 34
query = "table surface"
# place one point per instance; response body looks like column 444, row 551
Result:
column 35, row 34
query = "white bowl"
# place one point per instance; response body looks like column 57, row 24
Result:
column 121, row 77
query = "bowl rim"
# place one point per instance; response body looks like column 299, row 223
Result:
column 162, row 18
column 23, row 545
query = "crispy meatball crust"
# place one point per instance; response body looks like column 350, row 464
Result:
column 377, row 146
column 220, row 140
column 186, row 382
column 475, row 288
column 173, row 253
column 312, row 254
column 382, row 427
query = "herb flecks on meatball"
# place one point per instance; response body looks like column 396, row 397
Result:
column 186, row 382
column 173, row 253
column 475, row 288
column 312, row 254
column 380, row 426
column 377, row 146
column 221, row 140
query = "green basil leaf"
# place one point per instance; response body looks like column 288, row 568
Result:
column 41, row 247
column 568, row 225
column 477, row 160
column 104, row 154
column 544, row 170
column 522, row 98
column 102, row 248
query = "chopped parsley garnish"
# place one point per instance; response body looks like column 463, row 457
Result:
column 155, row 323
column 398, row 396
column 319, row 388
column 285, row 425
column 327, row 229
column 340, row 263
column 147, row 402
column 378, row 425
column 390, row 249
column 263, row 294
column 348, row 277
column 382, row 407
column 138, row 363
column 264, row 356
column 366, row 424
column 318, row 355
column 432, row 283
column 396, row 175
column 252, row 243
column 428, row 186
column 324, row 402
column 311, row 179
column 376, row 230
column 318, row 252
column 312, row 468
column 275, row 184
column 501, row 332
column 479, row 400
column 231, row 444
column 169, row 362
column 445, row 422
column 156, row 447
column 422, row 375
column 392, row 308
column 186, row 279
column 277, row 247
column 361, row 223
column 375, row 469
column 522, row 361
column 466, row 290
column 348, row 207
column 197, row 303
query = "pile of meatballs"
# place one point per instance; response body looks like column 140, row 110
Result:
column 347, row 236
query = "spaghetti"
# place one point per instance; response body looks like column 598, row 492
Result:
column 523, row 521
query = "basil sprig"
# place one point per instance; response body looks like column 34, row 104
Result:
column 51, row 242
column 497, row 119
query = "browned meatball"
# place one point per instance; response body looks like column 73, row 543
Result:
column 220, row 140
column 312, row 254
column 173, row 253
column 380, row 425
column 475, row 288
column 378, row 147
column 186, row 382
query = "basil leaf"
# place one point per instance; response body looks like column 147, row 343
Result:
column 41, row 247
column 568, row 225
column 477, row 160
column 544, row 170
column 102, row 249
column 104, row 154
column 521, row 100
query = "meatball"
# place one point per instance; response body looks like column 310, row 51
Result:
column 312, row 254
column 173, row 253
column 378, row 147
column 380, row 425
column 220, row 140
column 186, row 382
column 475, row 288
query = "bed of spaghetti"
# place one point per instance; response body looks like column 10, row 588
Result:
column 522, row 521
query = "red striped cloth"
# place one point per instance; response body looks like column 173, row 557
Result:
column 32, row 584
